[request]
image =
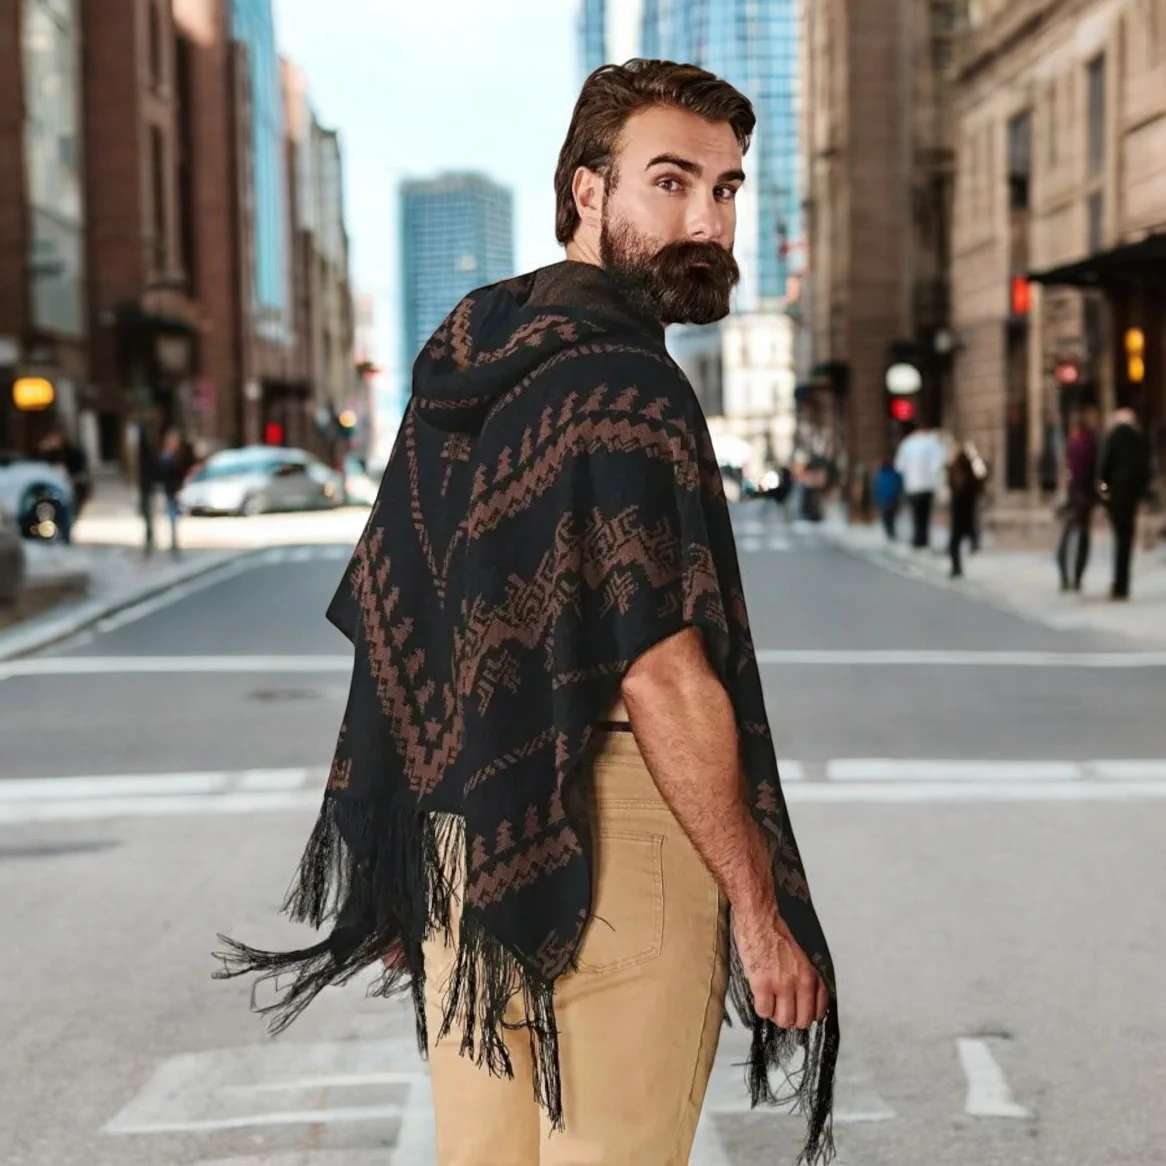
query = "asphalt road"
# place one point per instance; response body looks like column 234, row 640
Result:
column 983, row 833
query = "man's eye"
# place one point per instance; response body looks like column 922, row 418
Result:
column 726, row 193
column 668, row 184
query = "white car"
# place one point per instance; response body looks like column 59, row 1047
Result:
column 37, row 494
column 261, row 478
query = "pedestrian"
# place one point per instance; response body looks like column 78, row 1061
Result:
column 920, row 459
column 1123, row 479
column 147, row 480
column 170, row 470
column 554, row 802
column 964, row 490
column 1081, row 489
column 888, row 488
column 980, row 472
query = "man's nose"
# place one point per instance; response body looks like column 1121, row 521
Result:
column 706, row 219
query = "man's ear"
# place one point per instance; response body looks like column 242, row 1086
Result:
column 587, row 188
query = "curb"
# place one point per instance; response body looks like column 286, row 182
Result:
column 49, row 628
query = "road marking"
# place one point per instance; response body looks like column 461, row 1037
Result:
column 849, row 780
column 773, row 657
column 927, row 658
column 988, row 1092
column 194, row 665
column 861, row 769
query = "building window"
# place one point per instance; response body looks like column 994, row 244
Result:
column 154, row 19
column 1095, row 211
column 1096, row 115
column 52, row 145
column 158, row 190
column 1019, row 161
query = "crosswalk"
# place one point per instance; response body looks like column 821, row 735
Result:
column 366, row 1100
column 75, row 798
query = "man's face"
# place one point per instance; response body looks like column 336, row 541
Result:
column 669, row 215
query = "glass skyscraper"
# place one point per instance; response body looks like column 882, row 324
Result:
column 753, row 44
column 253, row 26
column 457, row 234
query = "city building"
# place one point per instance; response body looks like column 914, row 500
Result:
column 1059, row 265
column 207, row 210
column 457, row 234
column 44, row 296
column 879, row 173
column 322, row 315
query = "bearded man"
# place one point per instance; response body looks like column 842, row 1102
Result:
column 554, row 811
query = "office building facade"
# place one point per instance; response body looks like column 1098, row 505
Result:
column 457, row 234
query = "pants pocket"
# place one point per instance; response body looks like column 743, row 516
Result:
column 627, row 921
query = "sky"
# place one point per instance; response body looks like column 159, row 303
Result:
column 416, row 87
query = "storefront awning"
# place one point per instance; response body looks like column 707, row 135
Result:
column 1139, row 263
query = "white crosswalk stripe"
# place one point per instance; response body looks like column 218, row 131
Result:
column 347, row 1101
column 859, row 780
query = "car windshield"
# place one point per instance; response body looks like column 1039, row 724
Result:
column 232, row 462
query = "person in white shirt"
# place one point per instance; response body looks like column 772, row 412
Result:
column 920, row 459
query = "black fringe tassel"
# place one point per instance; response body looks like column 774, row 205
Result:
column 396, row 895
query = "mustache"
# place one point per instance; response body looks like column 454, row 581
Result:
column 698, row 260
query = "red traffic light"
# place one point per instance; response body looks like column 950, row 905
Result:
column 273, row 433
column 903, row 409
column 1065, row 372
column 1021, row 296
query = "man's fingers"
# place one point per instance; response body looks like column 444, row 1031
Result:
column 785, row 1014
column 807, row 998
column 823, row 1000
column 764, row 1004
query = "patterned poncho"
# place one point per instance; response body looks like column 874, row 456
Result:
column 552, row 508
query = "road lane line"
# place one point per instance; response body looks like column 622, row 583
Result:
column 930, row 658
column 340, row 1113
column 1140, row 770
column 890, row 769
column 988, row 1091
column 956, row 792
column 71, row 789
column 180, row 805
column 149, row 665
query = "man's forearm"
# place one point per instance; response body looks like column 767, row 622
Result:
column 687, row 733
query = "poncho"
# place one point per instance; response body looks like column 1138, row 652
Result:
column 552, row 508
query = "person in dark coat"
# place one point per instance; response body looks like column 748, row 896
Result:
column 1081, row 471
column 965, row 489
column 1123, row 478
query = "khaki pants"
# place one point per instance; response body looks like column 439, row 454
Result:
column 638, row 1022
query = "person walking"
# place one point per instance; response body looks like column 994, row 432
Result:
column 554, row 811
column 964, row 488
column 1081, row 476
column 170, row 470
column 920, row 460
column 1123, row 478
column 888, row 489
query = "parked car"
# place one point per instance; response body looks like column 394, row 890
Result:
column 38, row 495
column 261, row 478
column 362, row 480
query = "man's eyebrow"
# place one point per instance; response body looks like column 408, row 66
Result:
column 693, row 168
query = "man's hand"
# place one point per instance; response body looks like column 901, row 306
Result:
column 786, row 986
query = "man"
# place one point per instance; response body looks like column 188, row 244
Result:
column 920, row 459
column 59, row 451
column 1081, row 472
column 555, row 805
column 1122, row 480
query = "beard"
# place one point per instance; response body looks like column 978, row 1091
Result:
column 680, row 283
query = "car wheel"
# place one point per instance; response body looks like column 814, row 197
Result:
column 43, row 520
column 252, row 506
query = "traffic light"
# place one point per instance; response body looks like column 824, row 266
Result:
column 1135, row 345
column 902, row 409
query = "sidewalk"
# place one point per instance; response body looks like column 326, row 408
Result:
column 70, row 588
column 1026, row 581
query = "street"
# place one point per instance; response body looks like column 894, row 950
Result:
column 980, row 800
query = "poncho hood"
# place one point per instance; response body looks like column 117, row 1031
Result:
column 498, row 337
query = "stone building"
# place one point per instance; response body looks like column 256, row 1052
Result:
column 1059, row 257
column 878, row 165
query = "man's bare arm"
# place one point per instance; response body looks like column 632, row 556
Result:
column 684, row 724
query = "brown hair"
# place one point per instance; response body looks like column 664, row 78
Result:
column 612, row 94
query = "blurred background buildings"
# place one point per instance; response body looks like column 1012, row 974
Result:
column 172, row 237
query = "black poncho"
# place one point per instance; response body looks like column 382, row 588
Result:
column 551, row 509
